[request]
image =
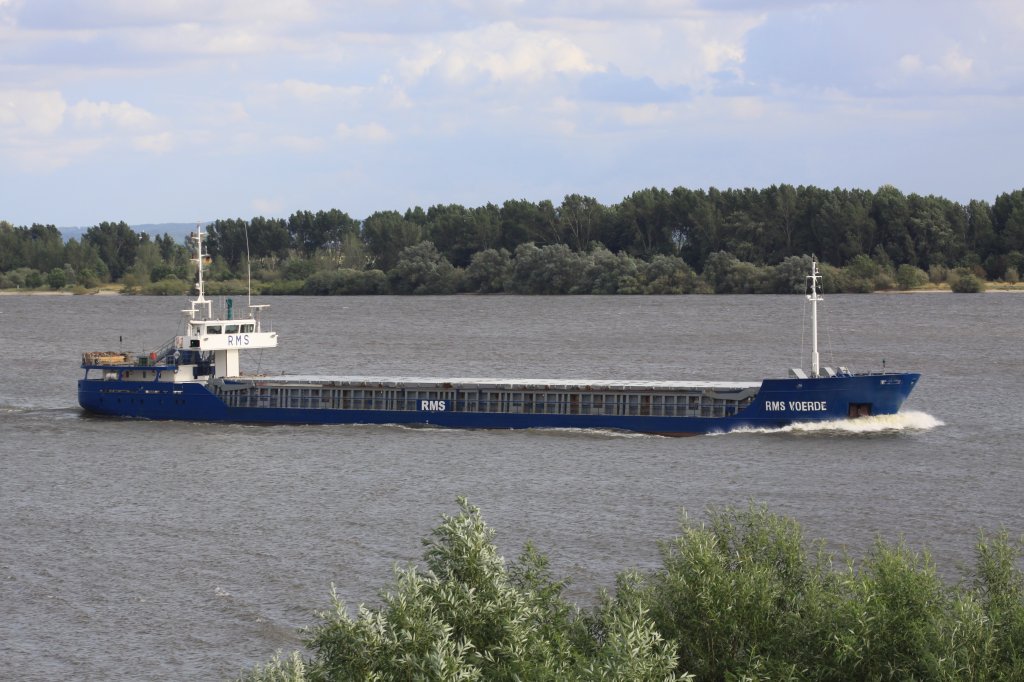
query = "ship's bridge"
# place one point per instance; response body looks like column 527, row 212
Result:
column 217, row 335
column 225, row 338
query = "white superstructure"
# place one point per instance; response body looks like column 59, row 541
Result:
column 224, row 337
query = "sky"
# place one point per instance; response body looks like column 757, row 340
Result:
column 194, row 110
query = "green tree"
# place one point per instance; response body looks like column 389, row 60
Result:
column 490, row 271
column 861, row 276
column 1008, row 220
column 703, row 229
column 147, row 262
column 523, row 221
column 422, row 269
column 981, row 235
column 57, row 279
column 999, row 585
column 117, row 245
column 936, row 239
column 746, row 237
column 669, row 275
column 839, row 224
column 551, row 269
column 609, row 273
column 783, row 211
column 910, row 277
column 963, row 281
column 84, row 259
column 268, row 237
column 386, row 234
column 33, row 279
column 458, row 232
column 46, row 247
column 346, row 282
column 352, row 253
column 647, row 221
column 297, row 268
column 579, row 220
column 892, row 618
column 9, row 243
column 726, row 274
column 323, row 229
column 176, row 259
column 226, row 241
column 231, row 241
column 736, row 595
column 789, row 276
column 890, row 212
column 40, row 247
column 468, row 616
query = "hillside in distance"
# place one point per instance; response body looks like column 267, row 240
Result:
column 177, row 230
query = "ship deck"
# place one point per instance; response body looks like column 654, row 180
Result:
column 510, row 384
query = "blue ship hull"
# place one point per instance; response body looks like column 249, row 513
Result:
column 778, row 403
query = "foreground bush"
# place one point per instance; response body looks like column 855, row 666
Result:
column 469, row 617
column 742, row 596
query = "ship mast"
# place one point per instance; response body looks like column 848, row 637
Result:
column 815, row 280
column 200, row 259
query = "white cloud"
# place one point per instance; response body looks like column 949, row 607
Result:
column 35, row 112
column 955, row 63
column 644, row 115
column 911, row 64
column 160, row 143
column 267, row 206
column 300, row 143
column 192, row 39
column 223, row 113
column 304, row 90
column 677, row 46
column 310, row 91
column 1009, row 13
column 64, row 14
column 949, row 69
column 747, row 108
column 367, row 132
column 88, row 83
column 43, row 156
column 95, row 115
column 501, row 52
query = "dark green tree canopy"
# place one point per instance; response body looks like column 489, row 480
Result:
column 732, row 238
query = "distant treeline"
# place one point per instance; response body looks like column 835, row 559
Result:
column 742, row 597
column 654, row 241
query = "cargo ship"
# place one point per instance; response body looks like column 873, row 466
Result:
column 197, row 377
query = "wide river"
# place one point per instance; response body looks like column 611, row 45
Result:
column 152, row 551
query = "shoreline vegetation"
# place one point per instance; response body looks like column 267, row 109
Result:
column 741, row 596
column 655, row 241
column 118, row 290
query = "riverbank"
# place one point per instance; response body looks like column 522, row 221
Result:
column 104, row 290
column 117, row 290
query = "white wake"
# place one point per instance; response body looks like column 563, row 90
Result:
column 900, row 422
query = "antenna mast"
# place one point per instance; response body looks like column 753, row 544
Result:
column 815, row 280
column 248, row 268
column 200, row 259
